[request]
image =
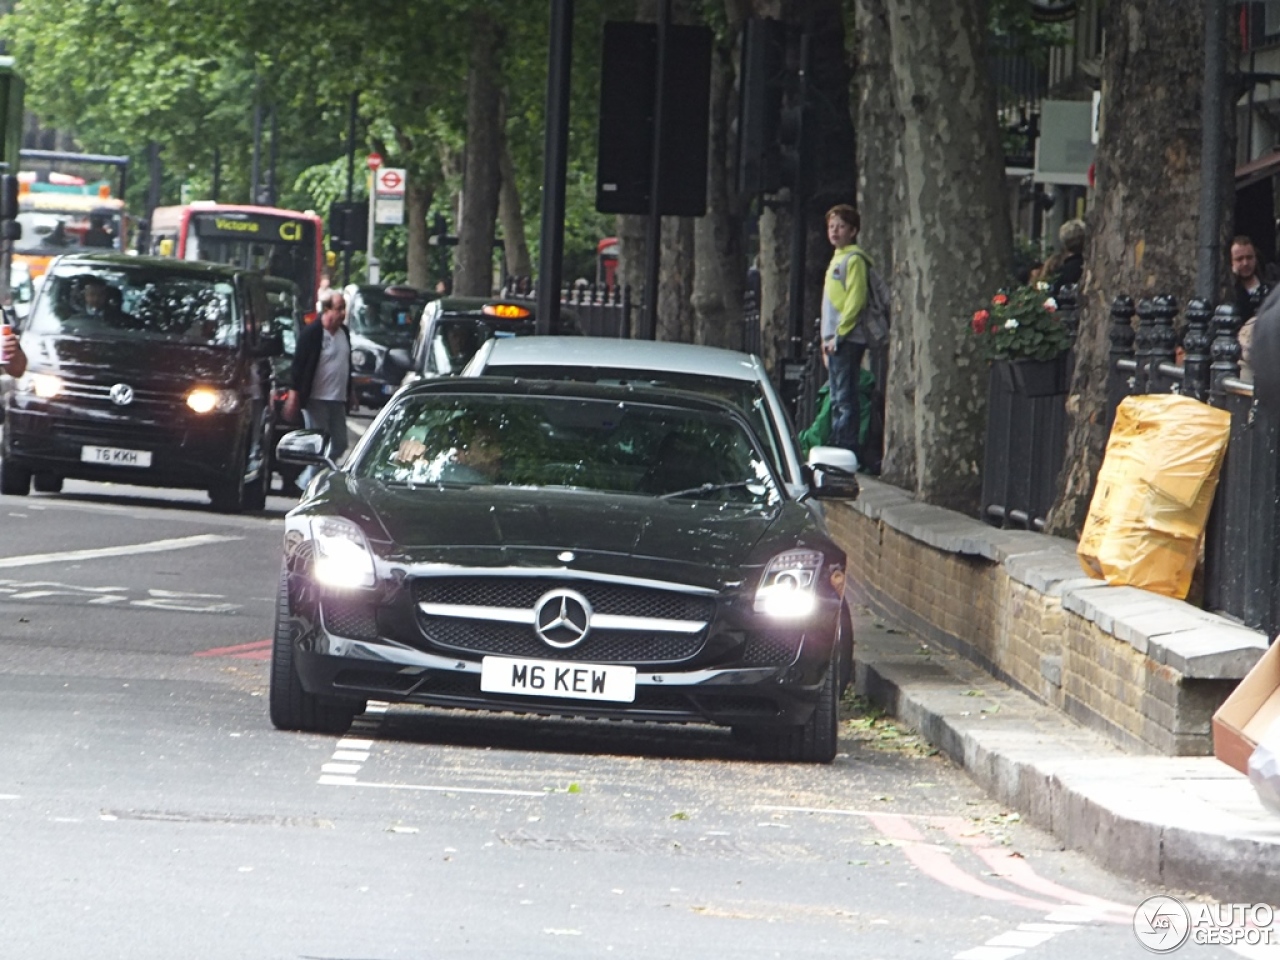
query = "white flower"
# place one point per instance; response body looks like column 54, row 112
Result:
column 1011, row 323
column 1051, row 305
column 1041, row 285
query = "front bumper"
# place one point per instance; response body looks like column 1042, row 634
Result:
column 378, row 644
column 187, row 450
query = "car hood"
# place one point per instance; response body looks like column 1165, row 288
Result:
column 698, row 543
column 136, row 362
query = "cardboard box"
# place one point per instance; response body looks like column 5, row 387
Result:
column 1247, row 714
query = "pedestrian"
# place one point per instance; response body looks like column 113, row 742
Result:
column 1250, row 288
column 1066, row 266
column 12, row 360
column 844, row 295
column 322, row 387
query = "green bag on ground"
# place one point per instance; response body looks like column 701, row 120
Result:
column 819, row 432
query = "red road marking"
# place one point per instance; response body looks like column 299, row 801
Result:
column 1016, row 870
column 258, row 650
column 937, row 863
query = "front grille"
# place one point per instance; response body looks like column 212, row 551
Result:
column 601, row 646
column 349, row 617
column 128, row 434
column 523, row 592
column 769, row 650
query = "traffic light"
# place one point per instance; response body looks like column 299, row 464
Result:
column 348, row 225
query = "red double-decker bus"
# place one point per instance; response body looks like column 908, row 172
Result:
column 280, row 243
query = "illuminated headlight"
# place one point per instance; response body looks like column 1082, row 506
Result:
column 43, row 385
column 206, row 400
column 788, row 588
column 342, row 555
column 363, row 360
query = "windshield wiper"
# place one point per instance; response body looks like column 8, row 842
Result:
column 708, row 488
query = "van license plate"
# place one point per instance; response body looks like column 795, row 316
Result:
column 556, row 678
column 115, row 457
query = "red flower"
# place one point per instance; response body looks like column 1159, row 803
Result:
column 1000, row 299
column 980, row 319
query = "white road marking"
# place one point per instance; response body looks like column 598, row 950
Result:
column 427, row 788
column 154, row 546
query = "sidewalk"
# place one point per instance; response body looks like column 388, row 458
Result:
column 1187, row 823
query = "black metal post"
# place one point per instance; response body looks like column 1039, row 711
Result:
column 272, row 157
column 653, row 229
column 799, row 209
column 255, row 170
column 1195, row 344
column 1225, row 352
column 351, row 177
column 1208, row 260
column 1164, row 342
column 556, row 151
column 1120, row 382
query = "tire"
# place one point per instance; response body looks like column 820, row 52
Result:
column 291, row 707
column 15, row 481
column 844, row 645
column 814, row 741
column 47, row 482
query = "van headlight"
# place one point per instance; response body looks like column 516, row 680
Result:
column 208, row 400
column 789, row 587
column 43, row 385
column 364, row 360
column 342, row 556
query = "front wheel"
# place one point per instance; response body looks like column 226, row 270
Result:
column 291, row 707
column 15, row 481
column 814, row 741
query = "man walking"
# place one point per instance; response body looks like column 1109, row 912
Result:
column 322, row 376
column 844, row 295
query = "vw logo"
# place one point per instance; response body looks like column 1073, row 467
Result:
column 122, row 394
column 562, row 618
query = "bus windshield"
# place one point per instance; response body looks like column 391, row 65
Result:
column 278, row 246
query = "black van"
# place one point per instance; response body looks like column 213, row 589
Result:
column 145, row 371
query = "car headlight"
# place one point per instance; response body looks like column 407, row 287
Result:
column 43, row 385
column 363, row 360
column 789, row 587
column 208, row 400
column 342, row 555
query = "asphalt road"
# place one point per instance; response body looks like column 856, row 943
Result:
column 149, row 810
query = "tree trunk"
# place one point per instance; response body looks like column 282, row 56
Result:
column 418, row 195
column 515, row 245
column 880, row 193
column 482, row 177
column 1143, row 228
column 675, row 291
column 720, row 269
column 955, row 233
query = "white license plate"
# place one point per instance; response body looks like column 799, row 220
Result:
column 555, row 678
column 115, row 457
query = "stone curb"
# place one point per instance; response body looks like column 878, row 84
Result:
column 1137, row 816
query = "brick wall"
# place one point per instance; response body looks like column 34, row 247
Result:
column 954, row 582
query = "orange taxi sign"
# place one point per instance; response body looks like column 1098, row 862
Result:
column 508, row 311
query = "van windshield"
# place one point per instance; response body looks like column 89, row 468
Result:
column 137, row 304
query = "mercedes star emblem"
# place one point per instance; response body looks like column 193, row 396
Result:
column 122, row 394
column 562, row 618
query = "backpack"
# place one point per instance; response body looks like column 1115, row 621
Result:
column 874, row 319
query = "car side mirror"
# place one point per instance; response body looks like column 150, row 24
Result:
column 306, row 448
column 400, row 357
column 833, row 473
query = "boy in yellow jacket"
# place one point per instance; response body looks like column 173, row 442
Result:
column 844, row 295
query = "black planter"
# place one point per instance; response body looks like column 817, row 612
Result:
column 1034, row 378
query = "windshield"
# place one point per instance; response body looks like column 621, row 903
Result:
column 454, row 344
column 110, row 302
column 54, row 232
column 378, row 312
column 583, row 444
column 746, row 395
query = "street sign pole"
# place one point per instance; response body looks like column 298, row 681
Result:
column 375, row 161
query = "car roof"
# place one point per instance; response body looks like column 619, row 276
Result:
column 127, row 261
column 624, row 354
column 495, row 386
